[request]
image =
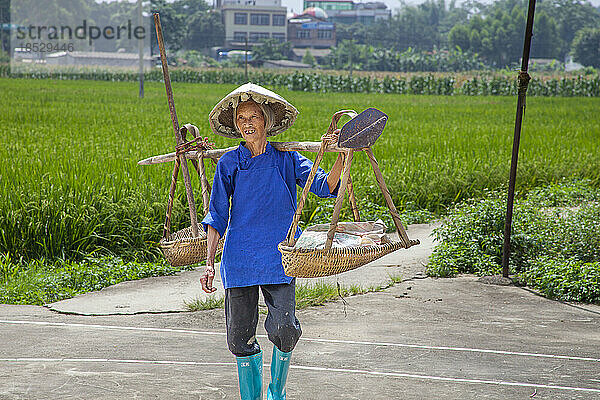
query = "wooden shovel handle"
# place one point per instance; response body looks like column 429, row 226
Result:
column 352, row 198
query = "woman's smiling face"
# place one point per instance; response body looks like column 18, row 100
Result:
column 251, row 122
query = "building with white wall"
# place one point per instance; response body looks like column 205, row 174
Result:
column 252, row 20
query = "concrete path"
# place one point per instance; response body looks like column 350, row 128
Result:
column 420, row 339
column 169, row 293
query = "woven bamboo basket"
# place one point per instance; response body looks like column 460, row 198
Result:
column 314, row 263
column 185, row 249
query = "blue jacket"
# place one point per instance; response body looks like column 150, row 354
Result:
column 252, row 203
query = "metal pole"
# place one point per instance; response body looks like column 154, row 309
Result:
column 523, row 81
column 246, row 57
column 141, row 51
column 1, row 29
column 351, row 51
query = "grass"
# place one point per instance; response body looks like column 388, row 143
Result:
column 70, row 188
column 70, row 184
column 307, row 294
column 209, row 303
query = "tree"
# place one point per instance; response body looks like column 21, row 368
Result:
column 475, row 40
column 586, row 47
column 271, row 49
column 459, row 37
column 359, row 32
column 570, row 17
column 546, row 42
column 205, row 29
column 309, row 59
column 170, row 17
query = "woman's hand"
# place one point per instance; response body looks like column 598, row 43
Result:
column 206, row 279
column 212, row 240
column 331, row 138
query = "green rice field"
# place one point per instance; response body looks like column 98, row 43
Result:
column 70, row 185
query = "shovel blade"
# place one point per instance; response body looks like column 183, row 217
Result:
column 363, row 130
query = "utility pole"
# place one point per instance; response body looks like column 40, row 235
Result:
column 246, row 59
column 141, row 50
column 523, row 82
column 1, row 29
column 351, row 51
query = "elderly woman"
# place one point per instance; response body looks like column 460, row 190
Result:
column 253, row 199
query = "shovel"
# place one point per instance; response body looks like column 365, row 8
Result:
column 363, row 130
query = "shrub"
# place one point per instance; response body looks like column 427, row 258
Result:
column 555, row 242
column 39, row 282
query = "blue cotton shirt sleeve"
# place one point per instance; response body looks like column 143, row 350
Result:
column 222, row 189
column 302, row 167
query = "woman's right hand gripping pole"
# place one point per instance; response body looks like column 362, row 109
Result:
column 212, row 240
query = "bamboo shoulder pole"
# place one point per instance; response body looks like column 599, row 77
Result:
column 215, row 154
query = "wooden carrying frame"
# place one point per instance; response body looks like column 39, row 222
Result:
column 311, row 263
column 187, row 246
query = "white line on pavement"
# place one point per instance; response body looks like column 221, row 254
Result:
column 308, row 368
column 335, row 341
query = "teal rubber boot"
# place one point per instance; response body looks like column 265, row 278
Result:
column 250, row 376
column 280, row 365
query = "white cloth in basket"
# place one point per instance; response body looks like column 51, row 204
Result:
column 347, row 234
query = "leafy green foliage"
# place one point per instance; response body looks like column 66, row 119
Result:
column 309, row 59
column 499, row 84
column 188, row 24
column 205, row 28
column 555, row 243
column 195, row 59
column 271, row 49
column 570, row 17
column 565, row 279
column 495, row 32
column 586, row 47
column 39, row 282
column 363, row 57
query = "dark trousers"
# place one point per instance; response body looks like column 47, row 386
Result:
column 241, row 315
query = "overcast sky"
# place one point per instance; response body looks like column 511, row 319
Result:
column 296, row 5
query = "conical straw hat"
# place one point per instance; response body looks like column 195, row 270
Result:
column 221, row 116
